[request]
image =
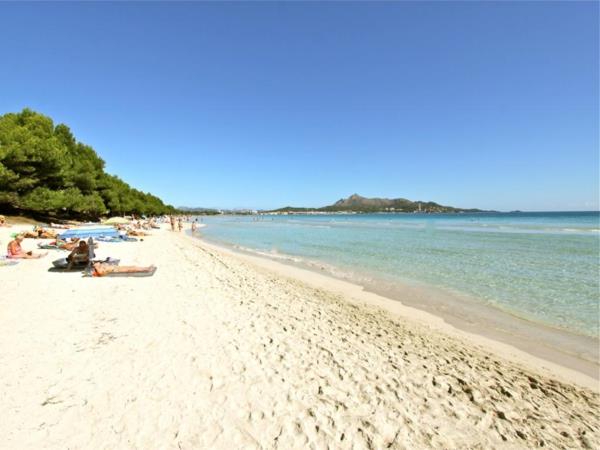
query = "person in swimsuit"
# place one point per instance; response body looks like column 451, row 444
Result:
column 15, row 251
column 80, row 255
column 101, row 269
column 68, row 245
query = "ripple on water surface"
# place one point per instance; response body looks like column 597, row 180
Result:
column 540, row 266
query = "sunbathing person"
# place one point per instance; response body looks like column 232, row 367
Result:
column 101, row 269
column 79, row 256
column 42, row 233
column 39, row 233
column 136, row 233
column 59, row 225
column 60, row 244
column 63, row 245
column 15, row 251
column 46, row 234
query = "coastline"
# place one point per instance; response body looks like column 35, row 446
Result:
column 221, row 350
column 561, row 348
column 510, row 336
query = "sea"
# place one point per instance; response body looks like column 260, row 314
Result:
column 542, row 267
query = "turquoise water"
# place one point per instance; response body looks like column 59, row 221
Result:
column 542, row 267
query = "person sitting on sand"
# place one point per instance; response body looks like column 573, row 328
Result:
column 3, row 222
column 101, row 269
column 80, row 255
column 15, row 251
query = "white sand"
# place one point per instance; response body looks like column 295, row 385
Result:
column 225, row 351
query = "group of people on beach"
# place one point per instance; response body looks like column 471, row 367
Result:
column 79, row 251
column 177, row 223
column 80, row 255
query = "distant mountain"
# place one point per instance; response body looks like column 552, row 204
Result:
column 358, row 204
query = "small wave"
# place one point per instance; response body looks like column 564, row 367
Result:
column 518, row 230
column 272, row 254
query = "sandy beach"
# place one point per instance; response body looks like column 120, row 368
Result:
column 221, row 350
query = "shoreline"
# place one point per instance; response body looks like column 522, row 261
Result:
column 511, row 336
column 222, row 350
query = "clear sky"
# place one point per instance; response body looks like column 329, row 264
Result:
column 472, row 104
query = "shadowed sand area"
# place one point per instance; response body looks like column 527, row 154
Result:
column 217, row 350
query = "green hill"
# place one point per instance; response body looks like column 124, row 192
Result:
column 358, row 204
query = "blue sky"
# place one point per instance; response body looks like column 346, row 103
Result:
column 474, row 104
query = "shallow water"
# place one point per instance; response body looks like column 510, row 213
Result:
column 542, row 267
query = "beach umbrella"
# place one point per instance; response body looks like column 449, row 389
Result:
column 116, row 221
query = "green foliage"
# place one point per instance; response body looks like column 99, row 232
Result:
column 43, row 169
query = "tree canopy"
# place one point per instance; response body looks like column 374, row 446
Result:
column 45, row 170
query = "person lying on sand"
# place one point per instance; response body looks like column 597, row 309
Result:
column 136, row 233
column 60, row 244
column 64, row 245
column 15, row 251
column 80, row 255
column 101, row 269
column 60, row 225
column 40, row 233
